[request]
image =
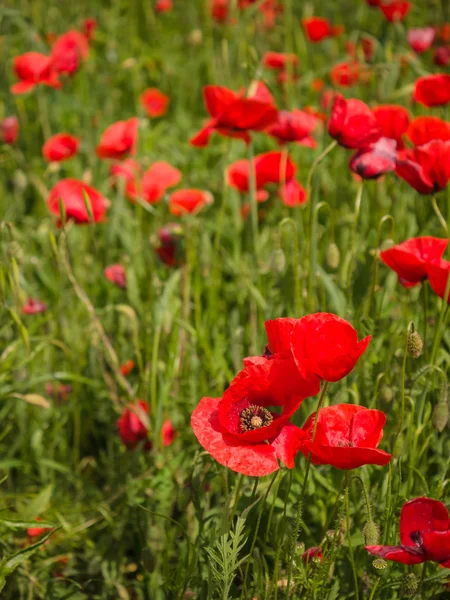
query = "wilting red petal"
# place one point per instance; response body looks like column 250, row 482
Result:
column 154, row 102
column 432, row 90
column 397, row 554
column 375, row 160
column 254, row 460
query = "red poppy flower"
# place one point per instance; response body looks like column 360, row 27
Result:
column 395, row 11
column 420, row 39
column 73, row 193
column 295, row 126
column 422, row 130
column 345, row 74
column 189, row 201
column 347, row 437
column 292, row 193
column 352, row 124
column 219, row 10
column 373, row 2
column 424, row 535
column 9, row 130
column 314, row 552
column 326, row 346
column 234, row 115
column 33, row 68
column 411, row 259
column 33, row 307
column 116, row 274
column 157, row 179
column 426, row 168
column 441, row 56
column 375, row 160
column 168, row 433
column 279, row 61
column 393, row 121
column 119, row 139
column 318, row 28
column 240, row 431
column 89, row 27
column 432, row 90
column 368, row 47
column 168, row 244
column 35, row 532
column 132, row 429
column 438, row 274
column 163, row 6
column 127, row 367
column 59, row 147
column 126, row 169
column 68, row 52
column 154, row 102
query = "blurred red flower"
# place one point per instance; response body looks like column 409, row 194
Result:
column 326, row 346
column 345, row 74
column 241, row 431
column 411, row 259
column 89, row 27
column 318, row 28
column 393, row 121
column 420, row 39
column 156, row 180
column 189, row 201
column 347, row 437
column 9, row 130
column 438, row 274
column 119, row 139
column 34, row 307
column 163, row 6
column 168, row 244
column 35, row 532
column 314, row 552
column 279, row 61
column 422, row 130
column 375, row 160
column 352, row 124
column 395, row 11
column 441, row 56
column 127, row 169
column 295, row 126
column 234, row 115
column 426, row 168
column 219, row 10
column 168, row 433
column 424, row 534
column 33, row 68
column 61, row 146
column 68, row 52
column 73, row 194
column 154, row 102
column 116, row 274
column 132, row 430
column 59, row 391
column 127, row 367
column 432, row 90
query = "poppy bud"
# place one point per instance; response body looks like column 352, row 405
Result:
column 409, row 584
column 440, row 416
column 386, row 244
column 333, row 256
column 20, row 180
column 371, row 533
column 195, row 37
column 278, row 261
column 386, row 393
column 415, row 344
column 379, row 564
column 398, row 446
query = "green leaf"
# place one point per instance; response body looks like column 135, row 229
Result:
column 39, row 504
column 18, row 524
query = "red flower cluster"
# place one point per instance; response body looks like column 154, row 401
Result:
column 9, row 130
column 317, row 29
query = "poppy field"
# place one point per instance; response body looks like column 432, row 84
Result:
column 225, row 289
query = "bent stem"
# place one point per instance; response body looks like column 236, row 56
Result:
column 353, row 237
column 439, row 215
column 298, row 517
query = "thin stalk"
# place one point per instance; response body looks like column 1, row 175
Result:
column 439, row 328
column 253, row 200
column 349, row 538
column 403, row 383
column 439, row 215
column 298, row 517
column 353, row 236
column 374, row 589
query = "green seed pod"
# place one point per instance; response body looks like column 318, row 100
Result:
column 386, row 393
column 333, row 256
column 278, row 261
column 415, row 344
column 379, row 564
column 409, row 585
column 371, row 533
column 399, row 446
column 440, row 416
column 386, row 244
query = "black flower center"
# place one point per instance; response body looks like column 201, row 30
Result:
column 254, row 417
column 416, row 537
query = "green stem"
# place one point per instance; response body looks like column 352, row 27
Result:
column 349, row 538
column 298, row 517
column 353, row 236
column 439, row 215
column 438, row 334
column 402, row 401
column 374, row 589
column 253, row 200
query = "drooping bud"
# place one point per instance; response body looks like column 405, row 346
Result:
column 386, row 393
column 409, row 585
column 415, row 343
column 379, row 564
column 333, row 256
column 278, row 261
column 386, row 244
column 371, row 533
column 440, row 416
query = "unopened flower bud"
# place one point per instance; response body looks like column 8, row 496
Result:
column 379, row 564
column 386, row 393
column 415, row 344
column 386, row 244
column 195, row 37
column 440, row 416
column 371, row 533
column 278, row 260
column 333, row 256
column 409, row 585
